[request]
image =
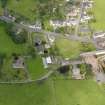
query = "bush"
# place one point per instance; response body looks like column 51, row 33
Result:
column 2, row 56
column 85, row 47
column 31, row 51
column 3, row 3
column 19, row 38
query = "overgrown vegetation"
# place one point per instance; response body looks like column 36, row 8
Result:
column 19, row 36
column 3, row 3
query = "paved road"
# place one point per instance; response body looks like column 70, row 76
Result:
column 68, row 36
column 8, row 20
column 72, row 62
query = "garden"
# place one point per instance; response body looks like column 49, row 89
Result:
column 72, row 49
column 9, row 47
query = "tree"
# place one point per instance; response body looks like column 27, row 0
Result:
column 4, row 3
column 19, row 37
column 2, row 56
column 31, row 51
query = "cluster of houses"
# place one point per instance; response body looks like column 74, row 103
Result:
column 73, row 14
column 37, row 27
column 43, row 49
column 63, row 23
column 7, row 17
column 71, row 20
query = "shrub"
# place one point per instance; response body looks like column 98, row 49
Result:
column 31, row 51
column 18, row 38
column 3, row 3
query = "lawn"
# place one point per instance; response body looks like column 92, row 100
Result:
column 23, row 7
column 1, row 11
column 86, row 92
column 62, row 92
column 7, row 45
column 99, row 11
column 68, row 48
column 36, row 68
column 29, row 94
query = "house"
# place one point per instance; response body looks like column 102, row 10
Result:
column 99, row 39
column 46, row 61
column 63, row 23
column 87, row 4
column 72, row 22
column 57, row 23
column 51, row 39
column 18, row 63
column 85, row 18
column 73, row 12
column 37, row 27
column 76, row 72
column 38, row 45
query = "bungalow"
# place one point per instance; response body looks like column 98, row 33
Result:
column 18, row 63
column 46, row 61
column 51, row 39
column 99, row 39
column 59, row 23
column 38, row 45
column 73, row 12
column 99, row 35
column 76, row 72
column 37, row 27
column 87, row 4
column 85, row 18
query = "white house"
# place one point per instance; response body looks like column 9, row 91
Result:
column 46, row 61
column 36, row 27
column 59, row 23
column 99, row 35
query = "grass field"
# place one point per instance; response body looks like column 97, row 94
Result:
column 35, row 67
column 68, row 48
column 59, row 92
column 99, row 11
column 7, row 45
column 30, row 94
column 79, row 93
column 23, row 7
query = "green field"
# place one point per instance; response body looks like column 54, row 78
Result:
column 68, row 48
column 35, row 67
column 23, row 7
column 7, row 45
column 79, row 93
column 59, row 92
column 99, row 11
column 30, row 94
